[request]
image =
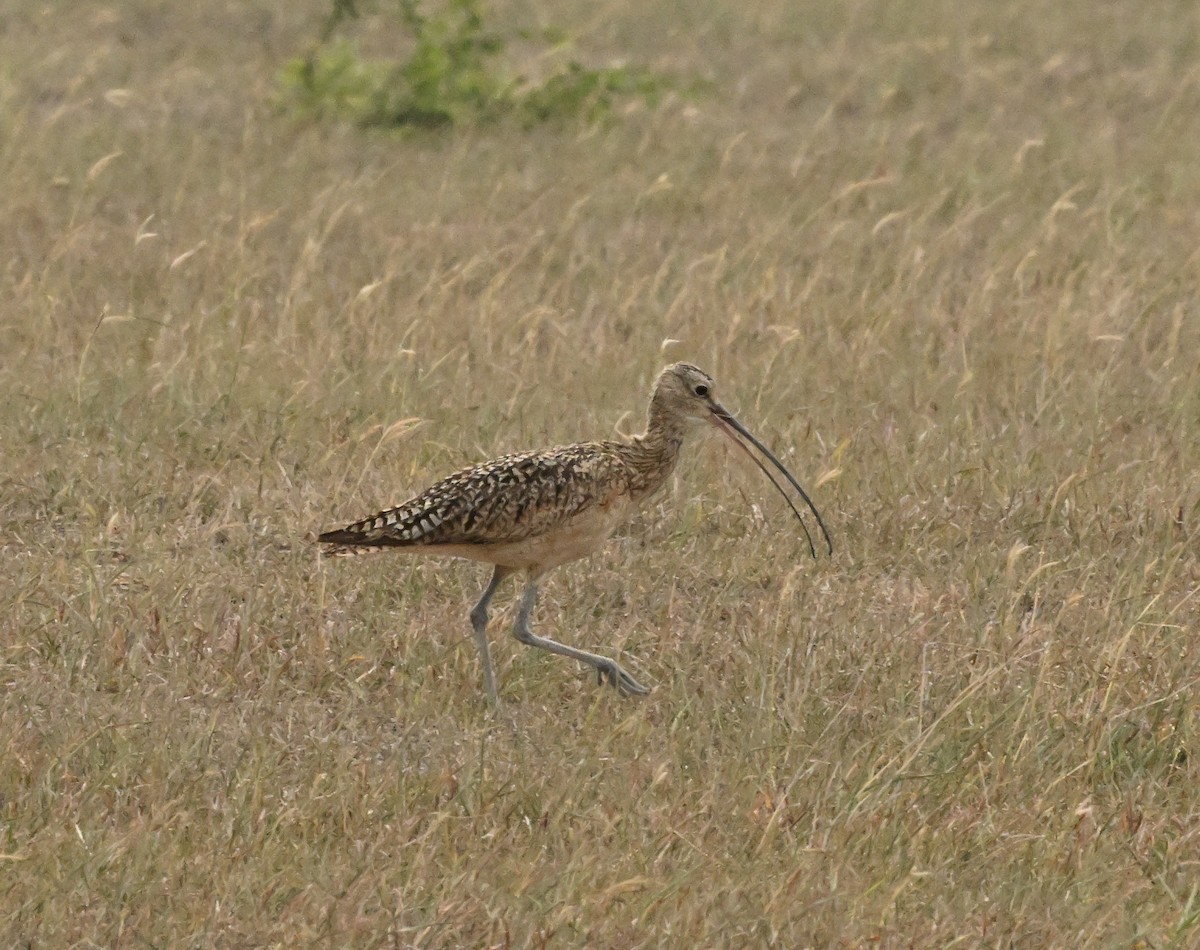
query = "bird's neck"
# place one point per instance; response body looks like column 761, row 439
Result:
column 653, row 454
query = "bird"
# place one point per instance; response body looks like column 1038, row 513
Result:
column 531, row 512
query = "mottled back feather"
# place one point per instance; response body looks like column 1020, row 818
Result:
column 505, row 500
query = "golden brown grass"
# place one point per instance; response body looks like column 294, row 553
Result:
column 944, row 254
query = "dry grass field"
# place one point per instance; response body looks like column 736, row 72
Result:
column 941, row 256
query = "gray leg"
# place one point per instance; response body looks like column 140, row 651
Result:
column 479, row 622
column 605, row 668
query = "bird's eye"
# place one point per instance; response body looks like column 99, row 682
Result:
column 701, row 390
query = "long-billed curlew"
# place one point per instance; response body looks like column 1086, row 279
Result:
column 535, row 511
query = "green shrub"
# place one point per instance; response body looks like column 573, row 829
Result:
column 453, row 76
column 589, row 93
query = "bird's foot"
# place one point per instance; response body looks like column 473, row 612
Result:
column 625, row 684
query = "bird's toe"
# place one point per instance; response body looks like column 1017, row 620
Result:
column 620, row 680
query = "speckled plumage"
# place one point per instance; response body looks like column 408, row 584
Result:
column 536, row 510
column 507, row 501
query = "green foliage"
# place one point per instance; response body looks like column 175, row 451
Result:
column 589, row 93
column 452, row 76
column 449, row 76
column 335, row 81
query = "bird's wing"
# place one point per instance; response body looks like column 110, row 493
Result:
column 502, row 501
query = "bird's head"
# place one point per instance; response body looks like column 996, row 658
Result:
column 684, row 393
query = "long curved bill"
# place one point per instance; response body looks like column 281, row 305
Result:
column 723, row 419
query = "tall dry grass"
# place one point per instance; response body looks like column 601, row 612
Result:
column 943, row 256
